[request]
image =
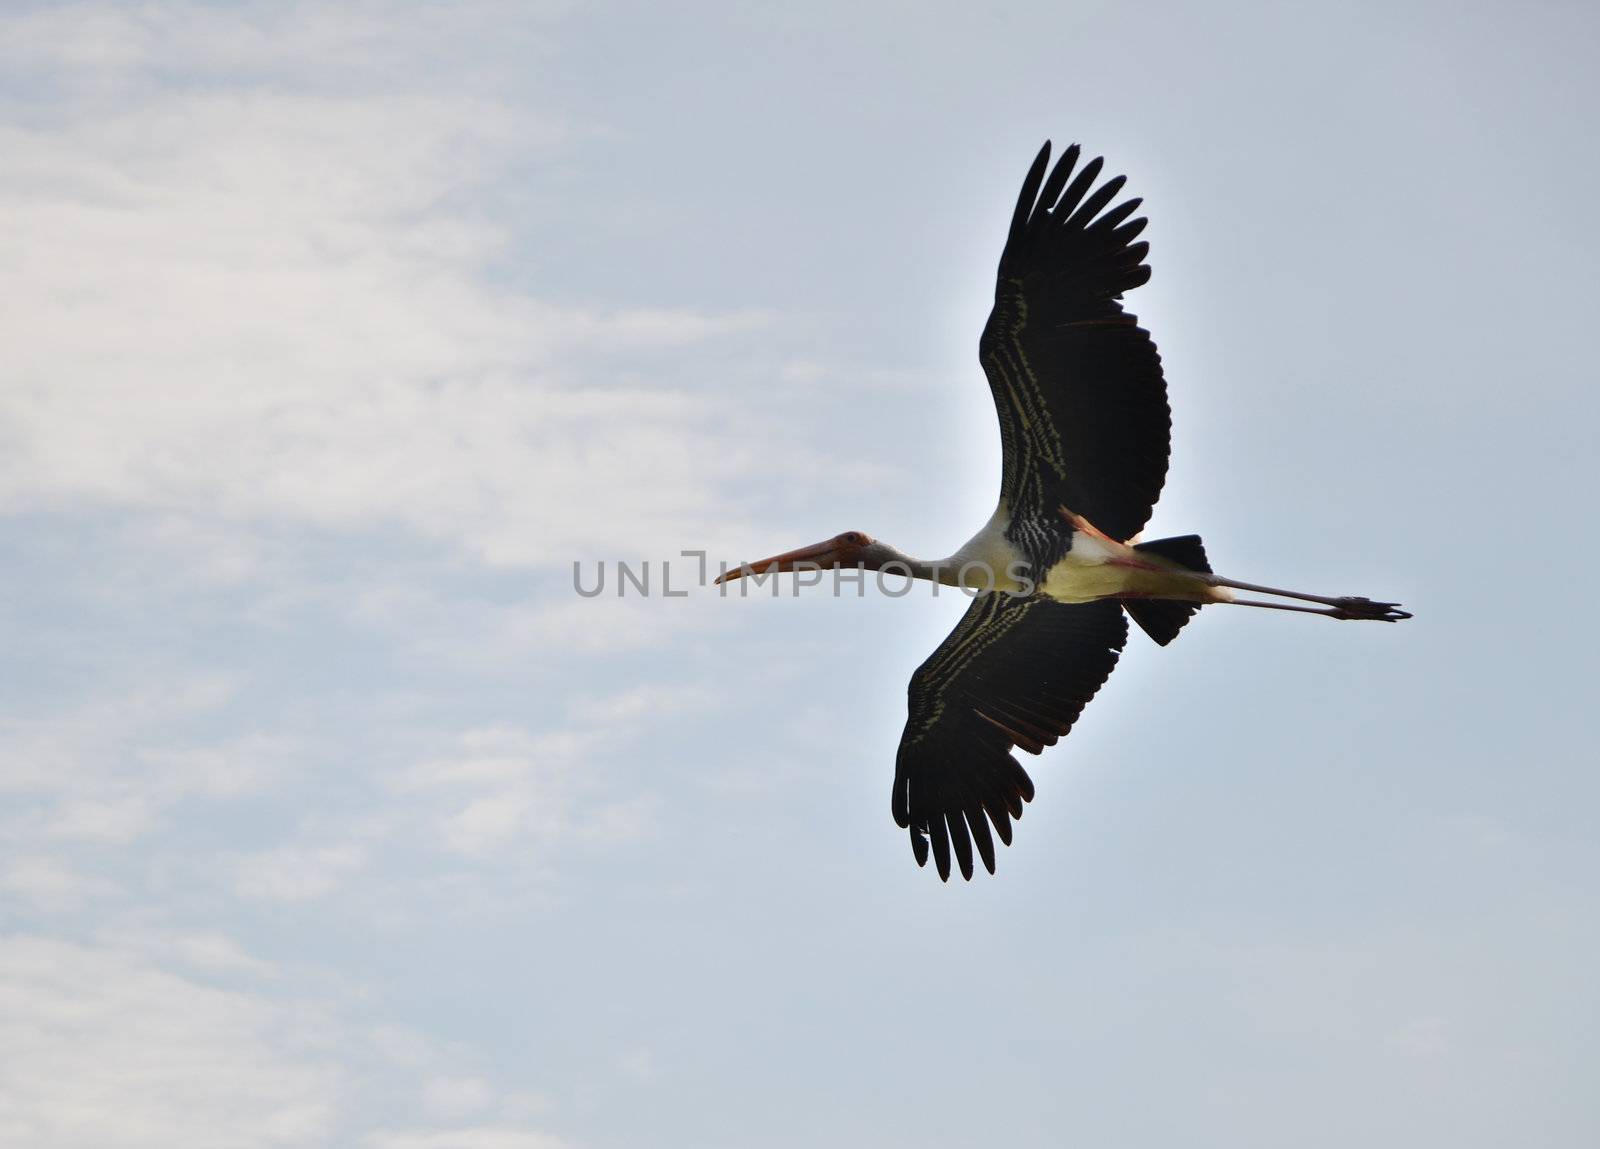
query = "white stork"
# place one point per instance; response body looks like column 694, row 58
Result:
column 1085, row 430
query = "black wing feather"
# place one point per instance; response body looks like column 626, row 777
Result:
column 1077, row 383
column 954, row 769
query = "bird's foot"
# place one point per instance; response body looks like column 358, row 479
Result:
column 1354, row 606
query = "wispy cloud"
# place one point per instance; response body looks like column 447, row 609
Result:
column 644, row 702
column 452, row 1098
column 296, row 874
column 120, row 1052
column 130, row 1042
column 99, row 50
column 478, row 1137
column 209, row 953
column 274, row 303
column 51, row 885
column 504, row 784
column 106, row 769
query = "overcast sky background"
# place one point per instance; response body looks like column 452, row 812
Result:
column 331, row 816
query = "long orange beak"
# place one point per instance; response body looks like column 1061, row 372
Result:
column 822, row 556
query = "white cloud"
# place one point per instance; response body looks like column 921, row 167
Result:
column 58, row 753
column 107, row 1050
column 608, row 625
column 295, row 873
column 119, row 819
column 50, row 885
column 485, row 823
column 505, row 784
column 204, row 952
column 403, row 1045
column 452, row 1098
column 104, row 771
column 206, row 551
column 640, row 702
column 270, row 302
column 128, row 1043
column 480, row 1137
column 101, row 50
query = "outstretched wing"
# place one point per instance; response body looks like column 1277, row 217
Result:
column 1014, row 672
column 1084, row 421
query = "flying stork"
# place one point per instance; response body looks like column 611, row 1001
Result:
column 1085, row 431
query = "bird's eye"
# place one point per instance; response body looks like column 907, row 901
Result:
column 855, row 537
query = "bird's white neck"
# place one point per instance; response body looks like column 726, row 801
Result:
column 987, row 561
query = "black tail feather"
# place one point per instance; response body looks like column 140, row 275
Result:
column 1185, row 550
column 1160, row 618
column 1163, row 618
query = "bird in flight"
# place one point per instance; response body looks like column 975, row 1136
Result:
column 1058, row 569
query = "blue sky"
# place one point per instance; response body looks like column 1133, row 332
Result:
column 333, row 817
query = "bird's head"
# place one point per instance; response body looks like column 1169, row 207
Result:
column 851, row 549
